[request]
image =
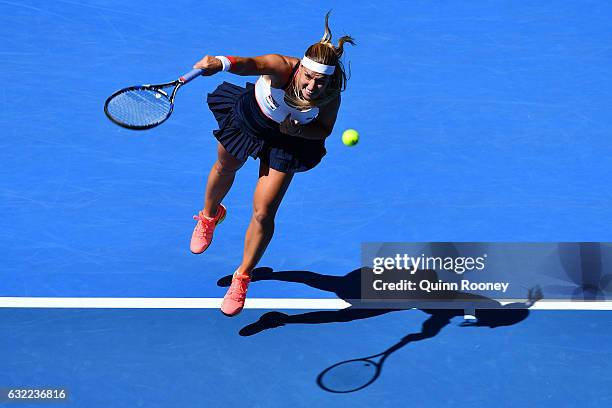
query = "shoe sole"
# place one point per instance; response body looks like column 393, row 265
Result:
column 229, row 315
column 211, row 240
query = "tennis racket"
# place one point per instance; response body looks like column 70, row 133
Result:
column 145, row 106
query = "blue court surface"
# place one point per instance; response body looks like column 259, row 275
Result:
column 479, row 121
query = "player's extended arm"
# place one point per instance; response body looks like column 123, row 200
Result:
column 275, row 65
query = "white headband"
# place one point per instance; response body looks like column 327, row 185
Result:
column 316, row 67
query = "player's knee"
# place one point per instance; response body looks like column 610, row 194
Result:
column 225, row 168
column 262, row 215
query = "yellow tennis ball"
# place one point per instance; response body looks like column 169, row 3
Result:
column 350, row 137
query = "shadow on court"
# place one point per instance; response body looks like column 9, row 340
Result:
column 586, row 277
column 490, row 314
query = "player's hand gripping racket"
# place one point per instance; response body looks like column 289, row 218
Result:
column 145, row 106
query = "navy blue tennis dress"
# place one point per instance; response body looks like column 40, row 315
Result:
column 244, row 130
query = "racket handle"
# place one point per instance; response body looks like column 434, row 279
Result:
column 194, row 73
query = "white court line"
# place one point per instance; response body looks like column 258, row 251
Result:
column 214, row 303
column 167, row 303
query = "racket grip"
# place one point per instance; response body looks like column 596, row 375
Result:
column 194, row 73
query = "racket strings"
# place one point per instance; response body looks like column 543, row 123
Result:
column 139, row 107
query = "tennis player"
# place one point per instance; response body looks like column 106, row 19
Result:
column 283, row 119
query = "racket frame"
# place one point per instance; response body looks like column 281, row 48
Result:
column 188, row 77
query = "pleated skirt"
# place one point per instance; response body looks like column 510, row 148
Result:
column 244, row 131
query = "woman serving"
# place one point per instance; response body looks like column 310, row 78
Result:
column 283, row 120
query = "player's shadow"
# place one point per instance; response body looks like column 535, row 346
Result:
column 348, row 287
column 489, row 313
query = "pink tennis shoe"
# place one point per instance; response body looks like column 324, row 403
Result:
column 203, row 232
column 233, row 301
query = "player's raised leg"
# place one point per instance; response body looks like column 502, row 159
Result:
column 220, row 180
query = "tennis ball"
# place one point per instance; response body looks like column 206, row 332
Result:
column 350, row 137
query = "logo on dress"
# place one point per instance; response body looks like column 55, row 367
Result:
column 271, row 102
